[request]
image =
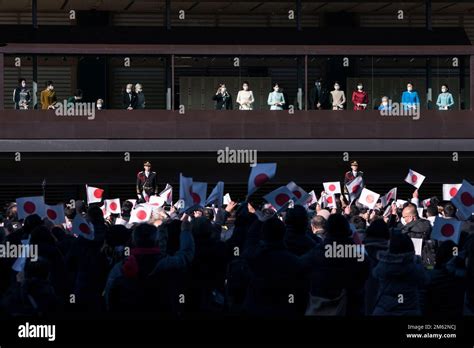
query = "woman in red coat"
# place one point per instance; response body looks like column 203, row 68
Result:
column 360, row 98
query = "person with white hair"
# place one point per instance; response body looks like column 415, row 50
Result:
column 140, row 96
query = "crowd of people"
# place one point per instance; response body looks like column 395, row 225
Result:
column 242, row 259
column 320, row 98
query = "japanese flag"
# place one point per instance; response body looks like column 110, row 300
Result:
column 227, row 199
column 112, row 206
column 297, row 191
column 198, row 193
column 385, row 199
column 280, row 198
column 185, row 190
column 414, row 178
column 464, row 200
column 400, row 203
column 327, row 201
column 167, row 194
column 217, row 194
column 354, row 187
column 104, row 211
column 446, row 229
column 30, row 205
column 157, row 201
column 311, row 199
column 259, row 175
column 426, row 203
column 368, row 198
column 94, row 194
column 332, row 187
column 450, row 190
column 141, row 213
column 82, row 228
column 55, row 213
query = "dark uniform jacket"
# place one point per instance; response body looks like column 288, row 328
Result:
column 149, row 185
column 129, row 101
column 348, row 177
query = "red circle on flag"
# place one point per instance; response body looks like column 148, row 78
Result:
column 453, row 191
column 51, row 214
column 297, row 194
column 260, row 179
column 97, row 193
column 196, row 198
column 168, row 196
column 29, row 207
column 389, row 196
column 84, row 228
column 447, row 230
column 332, row 187
column 355, row 188
column 141, row 215
column 467, row 199
column 329, row 199
column 113, row 206
column 370, row 199
column 281, row 199
column 414, row 178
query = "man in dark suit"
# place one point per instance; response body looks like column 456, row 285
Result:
column 319, row 96
column 129, row 98
column 146, row 183
column 353, row 173
column 222, row 98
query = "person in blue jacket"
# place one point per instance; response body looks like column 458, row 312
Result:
column 410, row 99
column 445, row 99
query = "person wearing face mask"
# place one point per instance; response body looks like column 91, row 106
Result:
column 245, row 97
column 129, row 98
column 445, row 99
column 338, row 98
column 21, row 95
column 146, row 183
column 140, row 96
column 410, row 99
column 276, row 100
column 413, row 225
column 385, row 105
column 100, row 104
column 48, row 97
column 360, row 98
column 223, row 98
column 319, row 96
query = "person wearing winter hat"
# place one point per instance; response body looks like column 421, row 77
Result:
column 275, row 273
column 401, row 275
column 139, row 283
column 297, row 238
column 331, row 276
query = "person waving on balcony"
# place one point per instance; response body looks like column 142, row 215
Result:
column 222, row 98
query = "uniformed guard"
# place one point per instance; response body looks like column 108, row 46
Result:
column 352, row 174
column 146, row 183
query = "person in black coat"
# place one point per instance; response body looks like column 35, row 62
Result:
column 222, row 98
column 332, row 276
column 277, row 286
column 446, row 286
column 376, row 239
column 297, row 238
column 129, row 98
column 401, row 276
column 319, row 96
column 32, row 295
